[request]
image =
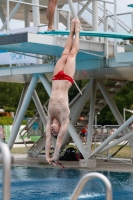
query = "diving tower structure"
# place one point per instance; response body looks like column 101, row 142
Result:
column 107, row 65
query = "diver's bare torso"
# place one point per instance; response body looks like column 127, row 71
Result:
column 58, row 103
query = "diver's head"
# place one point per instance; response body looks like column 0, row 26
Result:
column 55, row 127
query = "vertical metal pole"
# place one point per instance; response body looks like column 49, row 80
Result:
column 124, row 116
column 107, row 150
column 115, row 26
column 106, row 30
column 56, row 17
column 95, row 121
column 95, row 17
column 68, row 20
column 7, row 17
column 78, row 6
column 95, row 136
column 36, row 14
column 132, row 22
column 6, row 157
column 91, row 116
column 36, row 20
column 27, row 17
column 131, row 154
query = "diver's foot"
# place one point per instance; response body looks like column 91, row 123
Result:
column 77, row 26
column 51, row 28
column 72, row 29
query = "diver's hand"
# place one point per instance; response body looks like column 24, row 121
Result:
column 51, row 161
column 48, row 160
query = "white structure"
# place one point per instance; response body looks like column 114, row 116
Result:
column 98, row 60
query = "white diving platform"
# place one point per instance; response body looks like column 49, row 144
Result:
column 90, row 59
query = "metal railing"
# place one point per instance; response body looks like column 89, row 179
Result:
column 111, row 15
column 88, row 177
column 6, row 158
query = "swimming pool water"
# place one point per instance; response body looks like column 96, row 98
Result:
column 34, row 183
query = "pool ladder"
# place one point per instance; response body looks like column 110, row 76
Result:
column 6, row 158
column 88, row 177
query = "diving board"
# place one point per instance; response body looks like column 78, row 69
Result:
column 130, row 5
column 91, row 33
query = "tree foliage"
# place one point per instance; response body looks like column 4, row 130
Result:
column 124, row 99
column 11, row 92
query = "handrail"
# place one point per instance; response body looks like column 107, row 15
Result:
column 88, row 177
column 6, row 157
column 30, row 4
column 111, row 15
column 27, row 128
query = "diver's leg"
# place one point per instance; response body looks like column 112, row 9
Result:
column 50, row 13
column 68, row 46
column 69, row 68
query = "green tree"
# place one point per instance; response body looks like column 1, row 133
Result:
column 10, row 94
column 124, row 99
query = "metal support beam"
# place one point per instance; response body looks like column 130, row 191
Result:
column 91, row 116
column 72, row 9
column 68, row 20
column 77, row 140
column 113, row 108
column 74, row 112
column 79, row 103
column 22, row 111
column 118, row 141
column 45, row 83
column 36, row 13
column 111, row 137
column 36, row 20
column 20, row 101
column 12, row 13
column 56, row 18
column 27, row 17
column 2, row 16
column 39, row 107
column 73, row 12
column 95, row 18
column 84, row 7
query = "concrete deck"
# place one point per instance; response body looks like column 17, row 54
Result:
column 117, row 165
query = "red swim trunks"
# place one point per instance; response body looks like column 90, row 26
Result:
column 62, row 76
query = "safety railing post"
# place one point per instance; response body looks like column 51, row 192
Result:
column 132, row 21
column 68, row 20
column 6, row 158
column 7, row 17
column 106, row 39
column 115, row 26
column 88, row 177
